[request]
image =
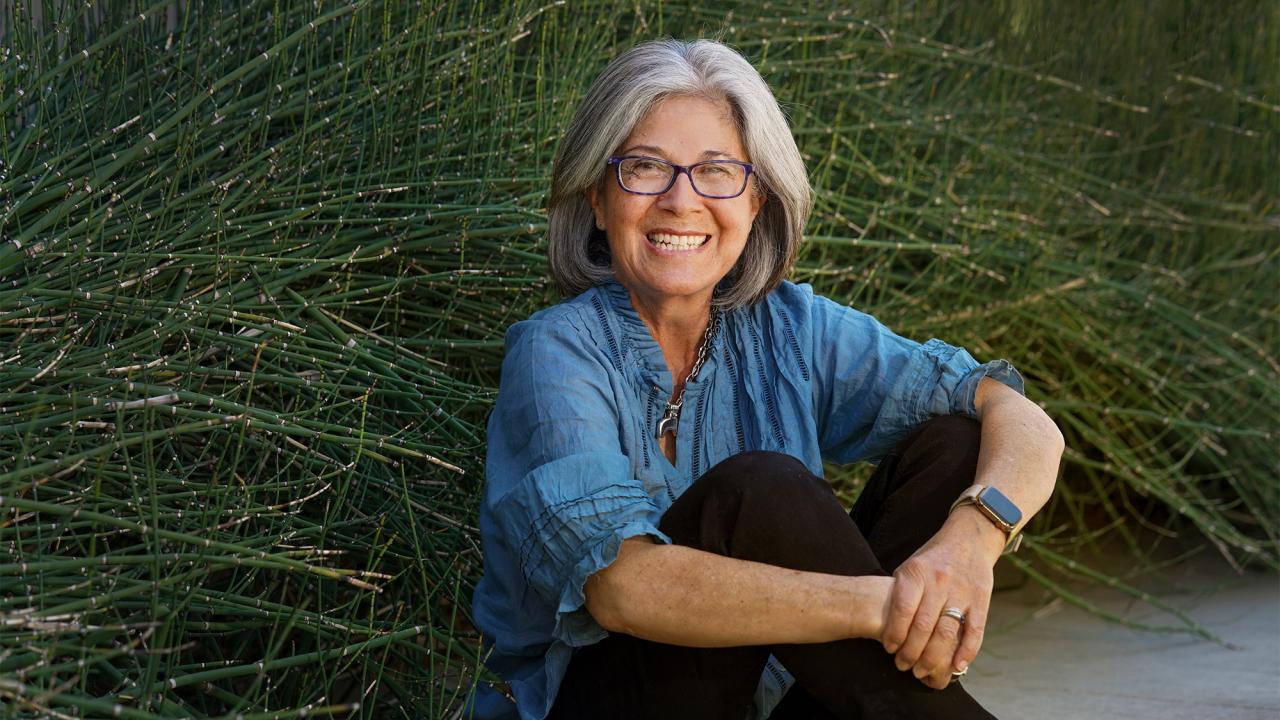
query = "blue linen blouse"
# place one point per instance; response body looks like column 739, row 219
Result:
column 573, row 467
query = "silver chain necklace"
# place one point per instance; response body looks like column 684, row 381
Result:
column 671, row 416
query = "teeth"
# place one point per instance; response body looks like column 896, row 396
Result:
column 677, row 242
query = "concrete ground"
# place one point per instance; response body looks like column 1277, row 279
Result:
column 1055, row 661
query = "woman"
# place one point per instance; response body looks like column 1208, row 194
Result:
column 658, row 540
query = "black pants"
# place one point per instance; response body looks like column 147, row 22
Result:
column 768, row 507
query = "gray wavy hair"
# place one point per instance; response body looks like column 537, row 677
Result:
column 629, row 87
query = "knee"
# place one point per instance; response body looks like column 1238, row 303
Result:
column 951, row 440
column 954, row 429
column 768, row 507
column 763, row 471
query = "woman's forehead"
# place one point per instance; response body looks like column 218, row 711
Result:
column 690, row 126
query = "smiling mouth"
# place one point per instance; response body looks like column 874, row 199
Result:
column 677, row 242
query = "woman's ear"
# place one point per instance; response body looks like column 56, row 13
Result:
column 758, row 197
column 597, row 205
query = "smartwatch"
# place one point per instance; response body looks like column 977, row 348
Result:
column 998, row 508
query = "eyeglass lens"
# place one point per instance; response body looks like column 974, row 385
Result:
column 714, row 178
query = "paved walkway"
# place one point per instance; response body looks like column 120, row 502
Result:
column 1055, row 661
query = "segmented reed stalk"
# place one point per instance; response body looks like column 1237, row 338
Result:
column 256, row 262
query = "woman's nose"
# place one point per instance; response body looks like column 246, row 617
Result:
column 681, row 196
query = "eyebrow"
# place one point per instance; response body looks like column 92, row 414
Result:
column 660, row 151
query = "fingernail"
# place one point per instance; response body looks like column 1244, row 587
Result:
column 901, row 666
column 891, row 648
column 960, row 666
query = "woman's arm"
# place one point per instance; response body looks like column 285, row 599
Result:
column 1019, row 455
column 1021, row 448
column 683, row 596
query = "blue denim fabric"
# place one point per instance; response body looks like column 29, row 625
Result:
column 573, row 467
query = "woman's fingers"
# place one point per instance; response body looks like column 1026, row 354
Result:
column 975, row 626
column 938, row 576
column 921, row 627
column 907, row 591
column 934, row 666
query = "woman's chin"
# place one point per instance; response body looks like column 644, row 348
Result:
column 673, row 289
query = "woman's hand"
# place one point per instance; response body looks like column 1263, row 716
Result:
column 1020, row 451
column 953, row 569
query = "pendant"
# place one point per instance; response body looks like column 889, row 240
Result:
column 670, row 420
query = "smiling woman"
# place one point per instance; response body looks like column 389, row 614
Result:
column 670, row 244
column 615, row 107
column 659, row 542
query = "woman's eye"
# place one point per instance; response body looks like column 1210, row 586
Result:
column 715, row 171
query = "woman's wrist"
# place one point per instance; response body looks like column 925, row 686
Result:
column 969, row 525
column 868, row 605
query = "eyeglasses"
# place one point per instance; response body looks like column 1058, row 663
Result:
column 716, row 179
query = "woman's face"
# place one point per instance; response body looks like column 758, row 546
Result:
column 682, row 130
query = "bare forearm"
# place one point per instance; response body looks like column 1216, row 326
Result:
column 683, row 596
column 1020, row 451
column 1021, row 448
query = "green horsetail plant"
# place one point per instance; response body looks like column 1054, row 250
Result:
column 257, row 259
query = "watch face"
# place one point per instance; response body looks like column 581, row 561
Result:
column 1003, row 507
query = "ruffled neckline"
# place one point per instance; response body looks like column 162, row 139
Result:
column 647, row 348
column 633, row 325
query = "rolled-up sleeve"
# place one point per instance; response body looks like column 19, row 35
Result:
column 873, row 386
column 561, row 493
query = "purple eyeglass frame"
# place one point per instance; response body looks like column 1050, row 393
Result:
column 616, row 162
